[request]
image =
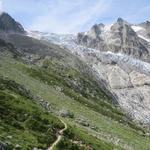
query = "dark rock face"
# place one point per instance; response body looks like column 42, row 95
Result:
column 126, row 40
column 146, row 26
column 119, row 37
column 8, row 24
column 93, row 38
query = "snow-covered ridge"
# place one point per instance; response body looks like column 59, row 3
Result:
column 144, row 38
column 137, row 28
column 141, row 32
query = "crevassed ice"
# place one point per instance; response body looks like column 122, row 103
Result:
column 70, row 42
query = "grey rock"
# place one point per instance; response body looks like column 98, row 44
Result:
column 8, row 24
column 17, row 146
column 118, row 37
column 3, row 145
column 35, row 148
column 9, row 137
column 65, row 113
column 82, row 121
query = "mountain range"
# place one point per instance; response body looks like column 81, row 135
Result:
column 97, row 82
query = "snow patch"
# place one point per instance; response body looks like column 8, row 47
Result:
column 137, row 28
column 34, row 34
column 107, row 28
column 144, row 38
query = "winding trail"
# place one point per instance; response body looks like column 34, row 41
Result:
column 59, row 136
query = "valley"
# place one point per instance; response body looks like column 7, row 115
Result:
column 61, row 95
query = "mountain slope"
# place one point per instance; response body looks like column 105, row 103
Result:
column 118, row 37
column 21, row 72
column 64, row 84
column 24, row 124
column 121, row 71
column 12, row 93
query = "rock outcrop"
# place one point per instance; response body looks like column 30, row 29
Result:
column 9, row 25
column 119, row 37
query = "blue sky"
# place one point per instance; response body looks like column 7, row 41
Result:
column 70, row 16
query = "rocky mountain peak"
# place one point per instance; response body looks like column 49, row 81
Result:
column 8, row 24
column 145, row 24
column 97, row 29
column 120, row 20
column 148, row 22
column 119, row 37
column 97, row 26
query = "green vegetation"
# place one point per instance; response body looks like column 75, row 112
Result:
column 65, row 144
column 22, row 121
column 14, row 87
column 99, row 103
column 74, row 134
column 43, row 82
column 21, row 115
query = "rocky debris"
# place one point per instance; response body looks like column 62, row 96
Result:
column 82, row 144
column 65, row 113
column 94, row 128
column 35, row 148
column 83, row 121
column 135, row 101
column 17, row 147
column 139, row 79
column 130, row 87
column 59, row 89
column 9, row 137
column 31, row 58
column 118, row 78
column 3, row 145
column 45, row 104
column 112, row 139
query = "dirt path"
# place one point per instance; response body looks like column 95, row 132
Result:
column 59, row 136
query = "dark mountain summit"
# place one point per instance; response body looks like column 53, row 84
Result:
column 8, row 24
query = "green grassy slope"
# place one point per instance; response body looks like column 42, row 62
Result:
column 25, row 125
column 75, row 135
column 66, row 83
column 22, row 121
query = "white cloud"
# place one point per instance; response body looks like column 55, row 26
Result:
column 67, row 16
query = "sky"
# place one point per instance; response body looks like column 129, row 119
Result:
column 72, row 16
